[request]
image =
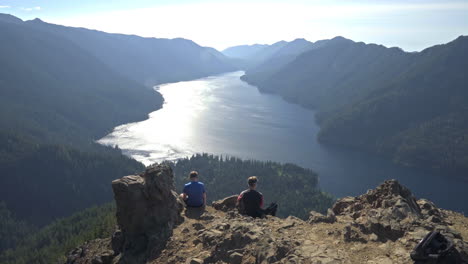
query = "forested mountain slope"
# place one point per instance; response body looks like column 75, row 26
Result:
column 408, row 106
column 56, row 89
column 418, row 118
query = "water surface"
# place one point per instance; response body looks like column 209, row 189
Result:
column 224, row 115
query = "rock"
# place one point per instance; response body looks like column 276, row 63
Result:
column 194, row 261
column 352, row 234
column 147, row 210
column 315, row 217
column 235, row 258
column 226, row 204
column 373, row 238
column 117, row 242
column 430, row 211
column 388, row 211
column 198, row 226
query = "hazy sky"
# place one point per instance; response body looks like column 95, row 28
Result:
column 411, row 25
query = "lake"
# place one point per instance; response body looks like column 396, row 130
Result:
column 224, row 115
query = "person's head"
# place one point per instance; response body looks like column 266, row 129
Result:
column 193, row 176
column 252, row 182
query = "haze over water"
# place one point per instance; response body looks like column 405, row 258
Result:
column 224, row 115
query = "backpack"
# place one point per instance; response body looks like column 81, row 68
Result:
column 432, row 248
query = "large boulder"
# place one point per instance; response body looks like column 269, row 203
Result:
column 226, row 204
column 147, row 211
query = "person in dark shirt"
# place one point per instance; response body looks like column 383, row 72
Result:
column 250, row 201
column 194, row 194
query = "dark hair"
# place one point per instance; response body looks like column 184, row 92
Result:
column 252, row 180
column 193, row 174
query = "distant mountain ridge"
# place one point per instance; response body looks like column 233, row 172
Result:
column 243, row 51
column 146, row 60
column 257, row 55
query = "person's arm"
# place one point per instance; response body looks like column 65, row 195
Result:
column 184, row 194
column 204, row 198
column 261, row 200
column 239, row 198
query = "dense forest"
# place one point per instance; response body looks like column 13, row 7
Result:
column 295, row 189
column 409, row 107
column 51, row 243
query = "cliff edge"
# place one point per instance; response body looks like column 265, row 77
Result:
column 381, row 226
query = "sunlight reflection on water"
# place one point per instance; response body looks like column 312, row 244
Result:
column 224, row 115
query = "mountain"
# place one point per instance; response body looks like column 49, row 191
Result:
column 333, row 74
column 410, row 107
column 418, row 118
column 243, row 51
column 62, row 88
column 270, row 64
column 149, row 61
column 258, row 58
column 265, row 53
column 380, row 226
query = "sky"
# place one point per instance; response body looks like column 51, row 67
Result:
column 411, row 25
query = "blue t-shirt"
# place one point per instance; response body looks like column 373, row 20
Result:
column 195, row 191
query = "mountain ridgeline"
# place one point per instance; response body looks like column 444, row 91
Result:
column 61, row 88
column 409, row 107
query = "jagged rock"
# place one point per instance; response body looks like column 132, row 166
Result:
column 352, row 233
column 147, row 211
column 315, row 217
column 387, row 211
column 390, row 195
column 226, row 204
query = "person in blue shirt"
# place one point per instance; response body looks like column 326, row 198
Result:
column 194, row 194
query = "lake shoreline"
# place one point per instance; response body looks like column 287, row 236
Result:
column 223, row 115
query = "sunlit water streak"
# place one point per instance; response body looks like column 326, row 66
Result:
column 224, row 115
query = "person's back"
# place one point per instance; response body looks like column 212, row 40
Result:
column 194, row 194
column 252, row 202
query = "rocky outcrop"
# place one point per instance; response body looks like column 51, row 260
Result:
column 381, row 226
column 147, row 211
column 389, row 212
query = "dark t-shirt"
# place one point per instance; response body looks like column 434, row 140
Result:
column 195, row 191
column 252, row 202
